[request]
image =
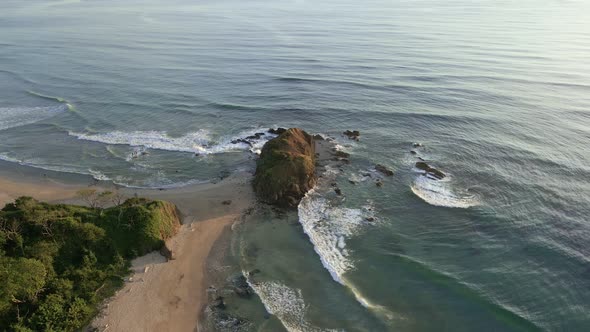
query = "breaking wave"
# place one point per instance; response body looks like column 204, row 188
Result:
column 198, row 142
column 328, row 227
column 441, row 193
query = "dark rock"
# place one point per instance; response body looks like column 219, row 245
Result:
column 384, row 170
column 167, row 252
column 240, row 286
column 341, row 154
column 352, row 134
column 338, row 191
column 255, row 136
column 285, row 171
column 241, row 140
column 351, row 181
column 370, row 219
column 413, row 152
column 253, row 272
column 417, row 145
column 228, row 202
column 379, row 183
column 430, row 170
column 318, row 137
column 277, row 131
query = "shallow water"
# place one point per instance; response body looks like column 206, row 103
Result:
column 151, row 94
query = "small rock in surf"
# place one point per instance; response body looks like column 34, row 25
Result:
column 352, row 134
column 383, row 169
column 430, row 170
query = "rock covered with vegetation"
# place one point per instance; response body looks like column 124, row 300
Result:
column 57, row 262
column 286, row 168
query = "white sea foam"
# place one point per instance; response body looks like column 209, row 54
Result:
column 286, row 304
column 328, row 228
column 198, row 142
column 441, row 192
column 11, row 117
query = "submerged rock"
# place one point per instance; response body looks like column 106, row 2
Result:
column 218, row 303
column 430, row 170
column 383, row 169
column 285, row 171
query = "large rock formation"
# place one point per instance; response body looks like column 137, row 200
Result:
column 286, row 168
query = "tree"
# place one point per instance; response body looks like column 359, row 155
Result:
column 88, row 196
column 103, row 198
column 23, row 280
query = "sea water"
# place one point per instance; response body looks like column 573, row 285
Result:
column 156, row 94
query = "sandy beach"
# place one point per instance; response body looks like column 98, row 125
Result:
column 165, row 296
column 159, row 295
column 44, row 191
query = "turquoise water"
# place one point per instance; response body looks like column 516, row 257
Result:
column 151, row 94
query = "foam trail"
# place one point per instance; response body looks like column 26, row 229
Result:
column 11, row 117
column 440, row 193
column 328, row 228
column 286, row 304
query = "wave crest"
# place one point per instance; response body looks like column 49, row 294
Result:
column 441, row 193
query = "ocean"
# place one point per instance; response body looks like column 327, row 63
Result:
column 151, row 94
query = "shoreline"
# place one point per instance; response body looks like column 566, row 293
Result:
column 165, row 295
column 158, row 293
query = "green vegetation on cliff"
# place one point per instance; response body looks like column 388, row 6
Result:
column 286, row 168
column 57, row 262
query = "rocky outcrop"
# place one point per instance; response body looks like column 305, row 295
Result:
column 428, row 170
column 285, row 171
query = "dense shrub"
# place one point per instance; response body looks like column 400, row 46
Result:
column 57, row 262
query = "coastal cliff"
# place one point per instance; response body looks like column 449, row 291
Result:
column 286, row 168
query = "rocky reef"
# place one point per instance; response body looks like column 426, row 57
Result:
column 286, row 168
